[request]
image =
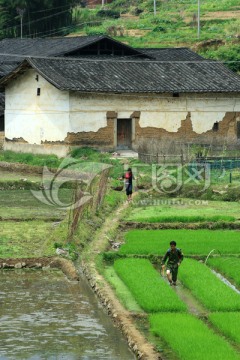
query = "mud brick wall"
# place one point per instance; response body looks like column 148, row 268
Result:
column 103, row 138
column 226, row 133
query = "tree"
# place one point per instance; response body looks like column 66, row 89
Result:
column 39, row 17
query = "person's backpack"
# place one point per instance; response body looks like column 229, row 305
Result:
column 180, row 254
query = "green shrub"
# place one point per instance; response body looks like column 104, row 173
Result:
column 159, row 29
column 232, row 195
column 108, row 13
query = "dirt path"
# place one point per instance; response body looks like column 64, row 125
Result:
column 234, row 14
column 121, row 316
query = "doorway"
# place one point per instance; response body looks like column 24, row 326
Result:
column 124, row 134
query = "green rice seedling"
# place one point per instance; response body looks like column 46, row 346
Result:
column 183, row 210
column 122, row 291
column 229, row 267
column 192, row 242
column 148, row 288
column 190, row 338
column 184, row 219
column 214, row 294
column 182, row 213
column 227, row 323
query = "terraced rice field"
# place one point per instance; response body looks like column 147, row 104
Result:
column 209, row 333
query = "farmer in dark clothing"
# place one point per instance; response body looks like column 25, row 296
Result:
column 174, row 258
column 128, row 183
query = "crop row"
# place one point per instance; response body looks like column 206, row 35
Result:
column 190, row 338
column 148, row 288
column 207, row 288
column 192, row 242
column 229, row 267
column 153, row 294
column 181, row 210
column 183, row 218
column 227, row 323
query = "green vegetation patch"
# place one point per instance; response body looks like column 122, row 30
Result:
column 190, row 338
column 214, row 294
column 192, row 242
column 30, row 159
column 147, row 286
column 185, row 210
column 22, row 205
column 25, row 239
column 227, row 323
column 229, row 267
column 122, row 291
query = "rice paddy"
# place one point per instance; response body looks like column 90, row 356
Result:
column 147, row 287
column 211, row 330
column 207, row 288
column 227, row 323
column 190, row 338
column 192, row 242
column 229, row 267
column 185, row 210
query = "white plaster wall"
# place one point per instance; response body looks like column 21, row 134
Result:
column 170, row 121
column 87, row 121
column 160, row 110
column 50, row 116
column 203, row 121
column 36, row 118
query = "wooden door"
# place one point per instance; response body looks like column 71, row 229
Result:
column 124, row 133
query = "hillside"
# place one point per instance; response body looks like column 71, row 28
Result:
column 174, row 25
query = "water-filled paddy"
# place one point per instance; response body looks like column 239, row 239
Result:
column 44, row 316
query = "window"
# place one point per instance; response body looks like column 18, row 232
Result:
column 38, row 91
column 215, row 126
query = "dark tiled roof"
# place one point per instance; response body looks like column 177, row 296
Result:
column 172, row 54
column 45, row 47
column 16, row 50
column 6, row 68
column 133, row 76
column 62, row 46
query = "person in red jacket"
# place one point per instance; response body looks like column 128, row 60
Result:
column 128, row 183
column 174, row 257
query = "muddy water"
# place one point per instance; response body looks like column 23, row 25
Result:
column 45, row 316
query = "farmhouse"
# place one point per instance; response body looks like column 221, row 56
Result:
column 99, row 92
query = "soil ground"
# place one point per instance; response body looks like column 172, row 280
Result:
column 222, row 15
